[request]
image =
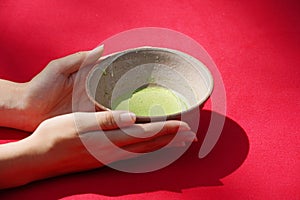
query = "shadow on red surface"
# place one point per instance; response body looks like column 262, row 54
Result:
column 187, row 172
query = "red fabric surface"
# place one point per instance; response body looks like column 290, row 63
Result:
column 255, row 45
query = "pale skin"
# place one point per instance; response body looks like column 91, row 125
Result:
column 44, row 106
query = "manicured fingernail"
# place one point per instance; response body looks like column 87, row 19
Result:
column 179, row 144
column 196, row 139
column 101, row 46
column 127, row 117
column 98, row 49
column 184, row 127
column 191, row 137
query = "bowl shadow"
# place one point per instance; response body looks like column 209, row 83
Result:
column 187, row 172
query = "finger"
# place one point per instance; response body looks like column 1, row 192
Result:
column 109, row 120
column 179, row 144
column 94, row 55
column 106, row 120
column 72, row 63
column 145, row 132
column 114, row 153
column 160, row 142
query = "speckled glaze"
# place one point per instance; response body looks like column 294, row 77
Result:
column 123, row 72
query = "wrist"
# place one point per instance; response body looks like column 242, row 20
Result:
column 13, row 94
column 18, row 161
column 12, row 104
column 24, row 161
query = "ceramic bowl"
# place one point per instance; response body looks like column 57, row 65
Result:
column 124, row 72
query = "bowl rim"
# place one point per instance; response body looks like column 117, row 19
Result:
column 187, row 57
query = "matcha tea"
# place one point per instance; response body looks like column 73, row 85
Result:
column 152, row 101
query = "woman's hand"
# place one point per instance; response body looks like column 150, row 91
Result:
column 25, row 105
column 58, row 145
column 50, row 92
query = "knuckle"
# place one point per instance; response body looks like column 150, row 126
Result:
column 108, row 121
column 54, row 63
column 172, row 126
column 44, row 124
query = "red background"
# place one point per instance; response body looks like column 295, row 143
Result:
column 255, row 45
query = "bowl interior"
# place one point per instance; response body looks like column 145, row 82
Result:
column 123, row 73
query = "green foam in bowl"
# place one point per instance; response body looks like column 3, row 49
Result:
column 152, row 101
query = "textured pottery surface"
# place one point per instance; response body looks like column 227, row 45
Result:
column 124, row 72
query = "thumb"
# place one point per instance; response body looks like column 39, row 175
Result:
column 72, row 63
column 106, row 120
column 115, row 119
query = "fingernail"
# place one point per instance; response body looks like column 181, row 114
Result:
column 191, row 138
column 127, row 117
column 196, row 139
column 98, row 49
column 184, row 127
column 101, row 46
column 179, row 144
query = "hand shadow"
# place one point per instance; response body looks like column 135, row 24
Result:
column 187, row 172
